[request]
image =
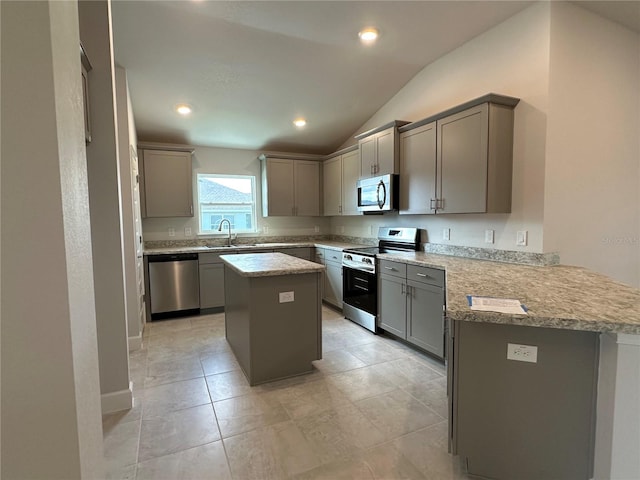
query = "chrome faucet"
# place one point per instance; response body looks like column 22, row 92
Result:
column 229, row 225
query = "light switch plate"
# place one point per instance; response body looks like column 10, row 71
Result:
column 172, row 232
column 265, row 229
column 522, row 353
column 316, row 229
column 521, row 238
column 286, row 297
column 187, row 231
column 488, row 236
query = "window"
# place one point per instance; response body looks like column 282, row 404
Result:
column 231, row 197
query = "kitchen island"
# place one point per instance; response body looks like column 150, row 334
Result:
column 273, row 314
column 542, row 394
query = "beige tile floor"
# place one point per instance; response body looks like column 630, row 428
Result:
column 372, row 409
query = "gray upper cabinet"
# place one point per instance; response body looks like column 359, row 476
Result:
column 332, row 186
column 463, row 162
column 418, row 170
column 166, row 184
column 379, row 150
column 290, row 187
column 340, row 174
column 460, row 161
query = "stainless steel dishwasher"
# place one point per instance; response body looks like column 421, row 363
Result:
column 173, row 284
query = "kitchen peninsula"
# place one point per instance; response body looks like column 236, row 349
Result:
column 540, row 382
column 273, row 315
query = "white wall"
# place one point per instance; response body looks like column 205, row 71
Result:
column 104, row 201
column 237, row 162
column 125, row 141
column 592, row 178
column 510, row 59
column 50, row 389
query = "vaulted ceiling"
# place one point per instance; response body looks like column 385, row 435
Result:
column 249, row 69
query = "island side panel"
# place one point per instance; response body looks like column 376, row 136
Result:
column 525, row 420
column 284, row 335
column 237, row 316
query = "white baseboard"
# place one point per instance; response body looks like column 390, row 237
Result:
column 117, row 401
column 135, row 343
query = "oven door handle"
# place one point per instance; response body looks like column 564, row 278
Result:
column 384, row 198
column 361, row 288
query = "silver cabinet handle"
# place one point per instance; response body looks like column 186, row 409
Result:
column 390, row 268
column 421, row 274
column 433, row 204
column 339, row 208
column 403, row 291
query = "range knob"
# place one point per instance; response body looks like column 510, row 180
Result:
column 367, row 260
column 348, row 257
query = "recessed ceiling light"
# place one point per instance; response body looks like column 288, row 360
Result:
column 183, row 109
column 368, row 35
column 299, row 122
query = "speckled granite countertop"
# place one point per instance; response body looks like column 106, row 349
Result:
column 557, row 296
column 269, row 264
column 330, row 244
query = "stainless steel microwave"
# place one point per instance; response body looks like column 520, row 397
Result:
column 378, row 194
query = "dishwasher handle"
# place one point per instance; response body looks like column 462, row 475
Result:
column 176, row 257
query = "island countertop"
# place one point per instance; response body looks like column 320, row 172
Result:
column 269, row 264
column 558, row 296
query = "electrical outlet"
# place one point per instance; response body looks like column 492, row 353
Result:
column 187, row 231
column 341, row 229
column 265, row 229
column 488, row 236
column 522, row 353
column 521, row 238
column 286, row 297
column 372, row 230
column 446, row 234
column 172, row 232
column 316, row 229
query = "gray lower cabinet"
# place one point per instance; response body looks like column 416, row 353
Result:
column 211, row 280
column 393, row 305
column 411, row 304
column 425, row 316
column 333, row 277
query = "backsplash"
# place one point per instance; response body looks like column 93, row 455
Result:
column 506, row 256
column 494, row 255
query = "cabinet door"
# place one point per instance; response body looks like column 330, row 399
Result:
column 211, row 285
column 462, row 161
column 418, row 170
column 332, row 186
column 167, row 184
column 307, row 188
column 393, row 305
column 350, row 175
column 367, row 149
column 279, row 187
column 425, row 318
column 385, row 152
column 333, row 283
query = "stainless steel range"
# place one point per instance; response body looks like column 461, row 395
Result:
column 360, row 277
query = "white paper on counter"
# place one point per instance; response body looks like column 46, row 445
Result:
column 501, row 305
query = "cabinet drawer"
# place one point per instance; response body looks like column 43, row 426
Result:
column 432, row 276
column 205, row 258
column 333, row 256
column 393, row 268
